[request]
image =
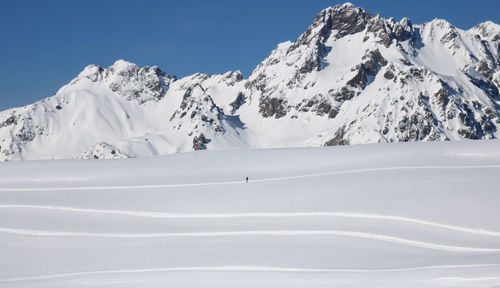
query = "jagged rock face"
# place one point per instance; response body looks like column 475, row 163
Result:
column 344, row 20
column 130, row 81
column 350, row 78
column 338, row 138
column 367, row 70
column 199, row 142
column 198, row 112
column 21, row 130
column 270, row 107
column 236, row 104
column 200, row 108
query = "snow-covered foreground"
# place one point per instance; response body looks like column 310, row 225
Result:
column 385, row 215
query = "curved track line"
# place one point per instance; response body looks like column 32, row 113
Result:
column 354, row 234
column 128, row 187
column 151, row 214
column 243, row 269
column 463, row 279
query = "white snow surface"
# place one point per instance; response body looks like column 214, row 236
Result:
column 381, row 215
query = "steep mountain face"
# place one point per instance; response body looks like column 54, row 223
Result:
column 350, row 78
column 381, row 80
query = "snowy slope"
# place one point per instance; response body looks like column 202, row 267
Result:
column 122, row 111
column 350, row 78
column 385, row 215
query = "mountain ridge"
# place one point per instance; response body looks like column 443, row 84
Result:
column 350, row 78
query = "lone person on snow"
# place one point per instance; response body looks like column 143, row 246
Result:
column 246, row 180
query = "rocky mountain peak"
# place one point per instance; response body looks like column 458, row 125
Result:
column 438, row 26
column 138, row 83
column 129, row 80
column 121, row 65
column 92, row 72
column 347, row 19
column 488, row 29
column 403, row 30
column 342, row 19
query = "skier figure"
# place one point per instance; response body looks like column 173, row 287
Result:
column 246, row 180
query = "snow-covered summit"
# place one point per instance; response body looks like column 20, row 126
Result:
column 350, row 78
column 488, row 29
column 129, row 80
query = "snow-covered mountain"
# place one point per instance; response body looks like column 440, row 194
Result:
column 350, row 78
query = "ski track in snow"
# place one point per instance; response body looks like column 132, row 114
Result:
column 246, row 269
column 150, row 214
column 130, row 187
column 354, row 234
column 450, row 254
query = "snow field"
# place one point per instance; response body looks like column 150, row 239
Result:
column 386, row 215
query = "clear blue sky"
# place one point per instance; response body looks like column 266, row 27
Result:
column 45, row 44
